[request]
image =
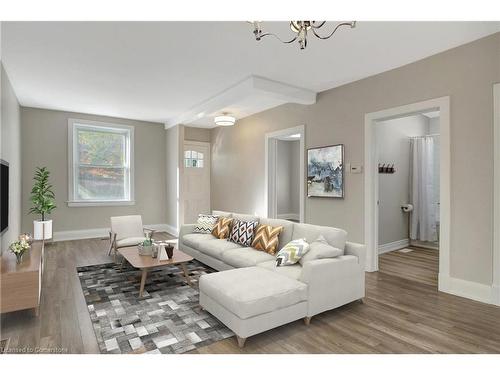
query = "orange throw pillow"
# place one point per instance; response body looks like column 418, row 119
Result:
column 222, row 228
column 266, row 238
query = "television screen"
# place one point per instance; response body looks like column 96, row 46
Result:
column 4, row 193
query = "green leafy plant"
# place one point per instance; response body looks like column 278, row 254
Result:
column 42, row 196
column 147, row 242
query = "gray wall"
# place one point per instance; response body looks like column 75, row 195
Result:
column 196, row 134
column 45, row 143
column 10, row 140
column 287, row 177
column 466, row 74
column 393, row 145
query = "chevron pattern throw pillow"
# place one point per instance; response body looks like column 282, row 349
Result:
column 266, row 238
column 292, row 252
column 221, row 229
column 242, row 232
column 205, row 223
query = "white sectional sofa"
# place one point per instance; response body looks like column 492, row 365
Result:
column 252, row 295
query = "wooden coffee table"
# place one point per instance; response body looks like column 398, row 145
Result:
column 145, row 263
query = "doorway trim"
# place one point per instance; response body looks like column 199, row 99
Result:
column 496, row 196
column 371, row 181
column 270, row 199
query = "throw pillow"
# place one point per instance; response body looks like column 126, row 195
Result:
column 242, row 232
column 205, row 223
column 320, row 249
column 292, row 252
column 221, row 229
column 267, row 238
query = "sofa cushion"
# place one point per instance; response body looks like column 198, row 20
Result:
column 245, row 217
column 285, row 235
column 320, row 249
column 334, row 236
column 294, row 271
column 245, row 257
column 266, row 238
column 252, row 291
column 205, row 223
column 222, row 228
column 222, row 213
column 242, row 232
column 215, row 247
column 194, row 239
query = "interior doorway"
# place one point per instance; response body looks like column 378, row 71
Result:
column 195, row 180
column 439, row 223
column 285, row 175
column 407, row 150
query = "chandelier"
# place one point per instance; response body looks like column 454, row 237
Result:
column 301, row 29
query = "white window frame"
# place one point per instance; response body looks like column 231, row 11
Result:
column 73, row 158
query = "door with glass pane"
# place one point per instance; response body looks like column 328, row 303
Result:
column 196, row 180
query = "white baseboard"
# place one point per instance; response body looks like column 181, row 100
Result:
column 469, row 289
column 170, row 229
column 289, row 217
column 391, row 246
column 495, row 293
column 81, row 234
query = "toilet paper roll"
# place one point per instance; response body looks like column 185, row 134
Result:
column 407, row 207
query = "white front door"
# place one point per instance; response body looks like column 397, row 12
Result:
column 196, row 180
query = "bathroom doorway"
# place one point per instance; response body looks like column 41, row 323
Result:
column 422, row 214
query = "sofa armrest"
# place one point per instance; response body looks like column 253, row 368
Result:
column 185, row 229
column 333, row 282
column 358, row 250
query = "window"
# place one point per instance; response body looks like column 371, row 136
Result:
column 100, row 163
column 193, row 159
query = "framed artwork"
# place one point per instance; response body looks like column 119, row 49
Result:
column 325, row 171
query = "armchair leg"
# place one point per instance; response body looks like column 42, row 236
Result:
column 110, row 249
column 307, row 320
column 241, row 341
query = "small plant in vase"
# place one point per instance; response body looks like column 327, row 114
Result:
column 146, row 247
column 19, row 248
column 44, row 202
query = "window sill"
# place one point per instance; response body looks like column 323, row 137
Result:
column 99, row 203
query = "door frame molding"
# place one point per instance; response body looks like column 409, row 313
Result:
column 371, row 181
column 270, row 200
column 496, row 195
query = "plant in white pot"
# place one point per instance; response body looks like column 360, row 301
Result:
column 44, row 202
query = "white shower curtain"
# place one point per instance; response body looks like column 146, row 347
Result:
column 423, row 184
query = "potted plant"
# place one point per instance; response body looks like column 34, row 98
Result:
column 19, row 248
column 43, row 200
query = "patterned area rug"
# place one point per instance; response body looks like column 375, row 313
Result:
column 167, row 319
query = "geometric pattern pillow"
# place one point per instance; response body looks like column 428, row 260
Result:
column 292, row 252
column 266, row 238
column 221, row 229
column 242, row 232
column 205, row 223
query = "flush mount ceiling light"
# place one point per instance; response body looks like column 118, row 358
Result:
column 301, row 29
column 224, row 120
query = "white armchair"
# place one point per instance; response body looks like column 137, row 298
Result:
column 127, row 231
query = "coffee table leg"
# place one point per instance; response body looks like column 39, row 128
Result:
column 186, row 274
column 143, row 281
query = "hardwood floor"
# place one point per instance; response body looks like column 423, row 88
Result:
column 402, row 313
column 420, row 265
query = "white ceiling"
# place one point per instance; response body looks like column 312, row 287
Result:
column 158, row 71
